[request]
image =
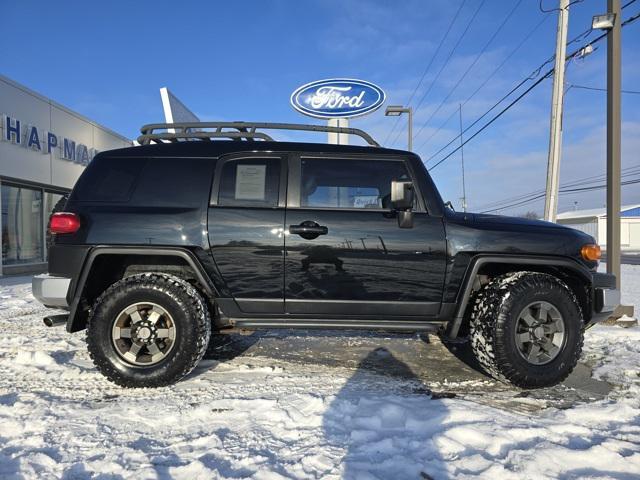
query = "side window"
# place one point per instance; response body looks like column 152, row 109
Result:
column 333, row 183
column 251, row 182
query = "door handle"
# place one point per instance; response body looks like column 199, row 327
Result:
column 308, row 230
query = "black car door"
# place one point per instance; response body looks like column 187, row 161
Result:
column 345, row 253
column 246, row 229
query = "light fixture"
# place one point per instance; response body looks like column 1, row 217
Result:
column 395, row 110
column 585, row 51
column 603, row 22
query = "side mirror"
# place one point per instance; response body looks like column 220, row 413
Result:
column 402, row 195
column 405, row 219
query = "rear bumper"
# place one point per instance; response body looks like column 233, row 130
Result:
column 51, row 291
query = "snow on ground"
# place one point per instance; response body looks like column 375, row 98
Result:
column 264, row 416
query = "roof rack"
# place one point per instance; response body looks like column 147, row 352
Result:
column 239, row 131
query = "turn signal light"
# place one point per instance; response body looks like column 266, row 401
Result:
column 63, row 222
column 591, row 252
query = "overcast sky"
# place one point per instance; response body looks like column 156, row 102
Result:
column 242, row 60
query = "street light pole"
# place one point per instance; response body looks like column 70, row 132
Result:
column 396, row 111
column 555, row 136
column 613, row 140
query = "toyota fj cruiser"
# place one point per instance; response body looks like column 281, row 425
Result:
column 215, row 227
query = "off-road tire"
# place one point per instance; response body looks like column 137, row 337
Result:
column 185, row 305
column 494, row 318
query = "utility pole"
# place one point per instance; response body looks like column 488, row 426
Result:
column 555, row 135
column 613, row 141
column 464, row 188
column 410, row 129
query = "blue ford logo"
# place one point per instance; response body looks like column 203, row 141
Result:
column 337, row 98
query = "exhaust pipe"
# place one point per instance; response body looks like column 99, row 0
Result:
column 56, row 320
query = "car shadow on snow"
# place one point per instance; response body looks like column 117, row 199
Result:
column 386, row 417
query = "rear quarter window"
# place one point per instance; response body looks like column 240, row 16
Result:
column 174, row 182
column 146, row 182
column 108, row 180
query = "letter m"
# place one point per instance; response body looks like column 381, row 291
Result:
column 69, row 150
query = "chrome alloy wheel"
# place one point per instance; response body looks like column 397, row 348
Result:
column 143, row 334
column 540, row 333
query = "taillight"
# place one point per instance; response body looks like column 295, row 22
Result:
column 64, row 222
column 591, row 252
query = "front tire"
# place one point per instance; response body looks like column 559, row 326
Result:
column 148, row 330
column 527, row 329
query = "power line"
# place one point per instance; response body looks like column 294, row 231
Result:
column 486, row 125
column 486, row 80
column 426, row 70
column 629, row 171
column 533, row 75
column 497, row 205
column 581, row 36
column 565, row 191
column 556, row 9
column 635, row 92
column 495, row 105
column 599, row 187
column 446, row 62
column 470, row 67
column 546, row 75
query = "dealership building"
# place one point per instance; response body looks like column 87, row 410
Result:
column 594, row 222
column 44, row 147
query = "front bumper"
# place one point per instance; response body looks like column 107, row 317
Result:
column 606, row 297
column 606, row 300
column 51, row 291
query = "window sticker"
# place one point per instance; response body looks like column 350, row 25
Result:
column 366, row 201
column 250, row 182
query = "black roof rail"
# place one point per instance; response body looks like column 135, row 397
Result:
column 207, row 131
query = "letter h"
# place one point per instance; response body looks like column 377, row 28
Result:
column 12, row 134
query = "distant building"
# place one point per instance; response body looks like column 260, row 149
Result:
column 594, row 222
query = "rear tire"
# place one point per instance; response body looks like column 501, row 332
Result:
column 527, row 329
column 148, row 330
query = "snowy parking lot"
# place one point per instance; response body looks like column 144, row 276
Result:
column 313, row 405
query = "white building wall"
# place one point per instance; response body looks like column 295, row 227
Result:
column 31, row 109
column 597, row 228
column 634, row 233
column 586, row 225
column 602, row 231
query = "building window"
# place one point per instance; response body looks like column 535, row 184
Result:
column 51, row 200
column 22, row 225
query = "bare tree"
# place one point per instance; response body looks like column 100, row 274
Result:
column 531, row 215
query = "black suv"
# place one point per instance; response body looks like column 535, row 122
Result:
column 215, row 227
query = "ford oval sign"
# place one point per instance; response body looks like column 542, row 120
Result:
column 337, row 98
